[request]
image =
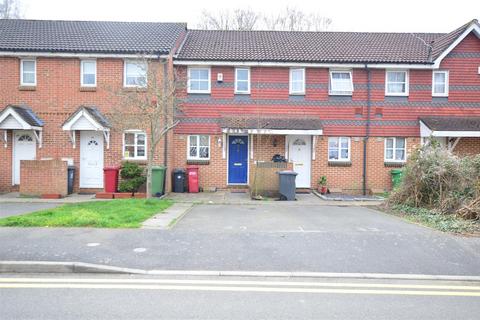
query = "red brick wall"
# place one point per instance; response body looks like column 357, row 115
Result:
column 39, row 177
column 468, row 146
column 56, row 96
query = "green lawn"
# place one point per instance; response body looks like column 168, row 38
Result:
column 125, row 213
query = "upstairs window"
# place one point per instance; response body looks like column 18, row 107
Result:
column 135, row 74
column 242, row 80
column 198, row 147
column 396, row 83
column 28, row 72
column 341, row 83
column 338, row 149
column 395, row 150
column 297, row 81
column 440, row 84
column 134, row 145
column 88, row 73
column 199, row 80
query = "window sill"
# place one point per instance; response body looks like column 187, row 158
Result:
column 297, row 94
column 394, row 164
column 396, row 95
column 339, row 163
column 88, row 89
column 198, row 162
column 349, row 94
column 134, row 89
column 27, row 88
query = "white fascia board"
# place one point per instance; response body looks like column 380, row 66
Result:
column 301, row 64
column 11, row 112
column 78, row 55
column 274, row 131
column 68, row 126
column 474, row 27
column 456, row 134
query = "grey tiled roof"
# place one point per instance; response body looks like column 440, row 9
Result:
column 291, row 123
column 452, row 123
column 443, row 42
column 27, row 115
column 88, row 36
column 95, row 113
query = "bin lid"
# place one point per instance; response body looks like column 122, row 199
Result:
column 178, row 170
column 396, row 171
column 158, row 168
column 288, row 172
column 71, row 167
column 192, row 167
column 107, row 168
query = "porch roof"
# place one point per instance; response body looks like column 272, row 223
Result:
column 19, row 117
column 95, row 120
column 450, row 126
column 271, row 125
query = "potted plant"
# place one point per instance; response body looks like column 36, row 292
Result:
column 322, row 185
column 132, row 178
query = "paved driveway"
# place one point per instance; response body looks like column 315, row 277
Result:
column 14, row 209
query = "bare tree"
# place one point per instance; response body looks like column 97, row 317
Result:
column 290, row 19
column 151, row 106
column 10, row 9
column 238, row 19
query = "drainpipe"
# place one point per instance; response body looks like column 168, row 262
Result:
column 367, row 131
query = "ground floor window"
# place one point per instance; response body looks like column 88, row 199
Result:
column 198, row 147
column 338, row 149
column 134, row 145
column 395, row 149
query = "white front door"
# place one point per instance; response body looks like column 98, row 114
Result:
column 24, row 148
column 300, row 154
column 91, row 159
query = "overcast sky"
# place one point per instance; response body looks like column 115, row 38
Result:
column 347, row 15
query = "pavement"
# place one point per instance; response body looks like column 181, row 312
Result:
column 132, row 297
column 15, row 197
column 15, row 209
column 309, row 238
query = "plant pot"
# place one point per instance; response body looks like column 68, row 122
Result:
column 122, row 195
column 323, row 189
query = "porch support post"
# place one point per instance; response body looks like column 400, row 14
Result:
column 38, row 137
column 5, row 138
column 224, row 146
column 106, row 134
column 250, row 138
column 314, row 144
column 72, row 135
column 286, row 147
column 454, row 144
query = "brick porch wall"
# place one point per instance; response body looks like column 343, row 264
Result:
column 39, row 177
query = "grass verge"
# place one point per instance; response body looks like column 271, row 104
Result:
column 442, row 222
column 125, row 213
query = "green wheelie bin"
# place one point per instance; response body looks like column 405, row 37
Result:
column 158, row 181
column 396, row 177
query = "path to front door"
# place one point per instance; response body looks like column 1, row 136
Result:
column 24, row 148
column 300, row 154
column 237, row 160
column 91, row 159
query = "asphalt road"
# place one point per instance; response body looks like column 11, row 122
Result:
column 264, row 237
column 114, row 297
column 14, row 209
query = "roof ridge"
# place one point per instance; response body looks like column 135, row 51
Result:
column 327, row 31
column 98, row 21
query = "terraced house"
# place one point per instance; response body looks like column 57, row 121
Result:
column 345, row 105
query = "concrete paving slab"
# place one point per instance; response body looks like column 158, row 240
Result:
column 168, row 217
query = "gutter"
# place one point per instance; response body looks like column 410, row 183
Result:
column 367, row 131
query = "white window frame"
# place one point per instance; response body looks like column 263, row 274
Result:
column 197, row 157
column 407, row 84
column 34, row 72
column 340, row 93
column 447, row 78
column 82, row 62
column 290, row 82
column 248, row 81
column 138, row 62
column 209, row 80
column 340, row 150
column 394, row 148
column 135, row 145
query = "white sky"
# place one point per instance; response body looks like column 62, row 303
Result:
column 347, row 15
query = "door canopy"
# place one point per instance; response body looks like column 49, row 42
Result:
column 20, row 118
column 87, row 119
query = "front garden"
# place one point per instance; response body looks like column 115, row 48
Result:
column 440, row 190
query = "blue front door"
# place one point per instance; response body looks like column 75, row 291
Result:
column 237, row 159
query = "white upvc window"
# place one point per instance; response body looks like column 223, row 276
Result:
column 297, row 81
column 198, row 80
column 395, row 149
column 135, row 73
column 198, row 147
column 28, row 72
column 341, row 82
column 242, row 80
column 440, row 84
column 135, row 145
column 339, row 149
column 88, row 73
column 396, row 83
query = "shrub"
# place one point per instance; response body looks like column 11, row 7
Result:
column 132, row 177
column 436, row 179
